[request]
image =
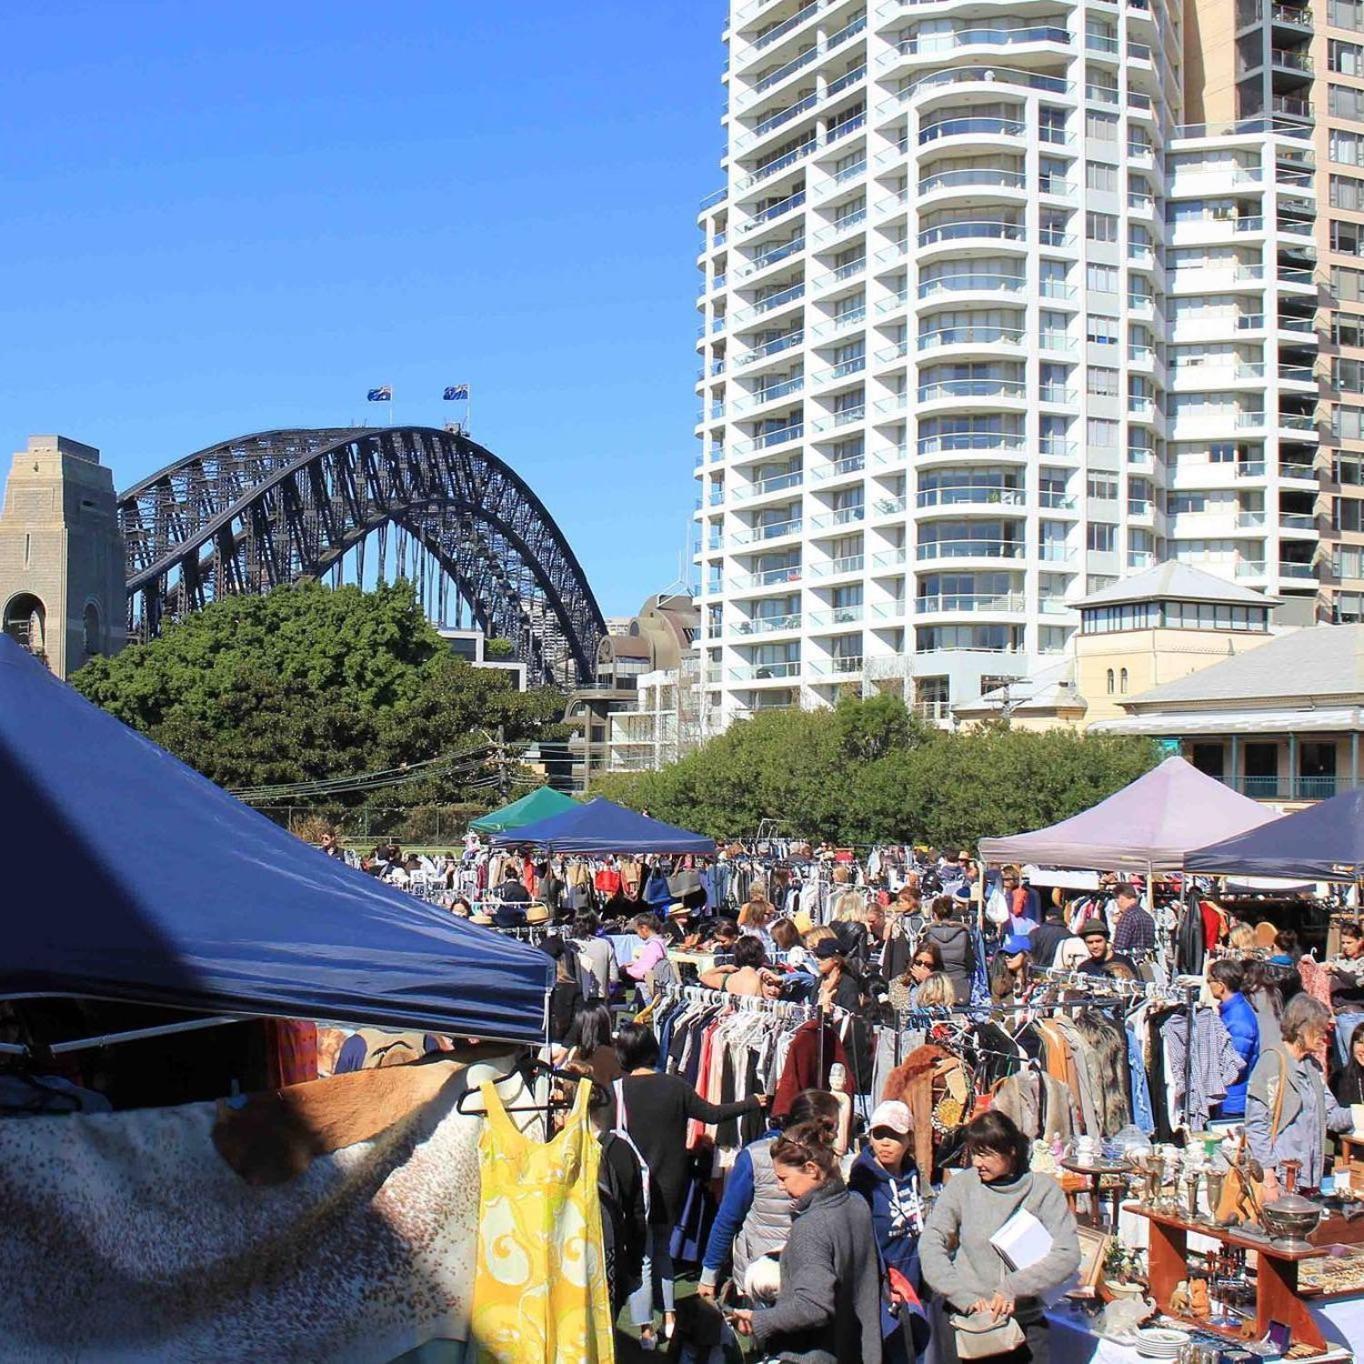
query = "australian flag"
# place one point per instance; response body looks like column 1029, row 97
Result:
column 457, row 393
column 380, row 395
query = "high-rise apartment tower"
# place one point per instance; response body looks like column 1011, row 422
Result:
column 1002, row 301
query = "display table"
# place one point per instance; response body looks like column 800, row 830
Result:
column 1075, row 1341
column 1276, row 1276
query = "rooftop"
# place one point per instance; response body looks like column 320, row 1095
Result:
column 1321, row 661
column 1050, row 689
column 1173, row 581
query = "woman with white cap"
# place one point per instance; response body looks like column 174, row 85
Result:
column 885, row 1174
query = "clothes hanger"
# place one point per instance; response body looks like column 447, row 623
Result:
column 527, row 1070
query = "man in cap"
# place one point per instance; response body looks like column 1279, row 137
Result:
column 1103, row 960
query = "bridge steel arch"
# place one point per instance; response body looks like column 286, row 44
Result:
column 278, row 507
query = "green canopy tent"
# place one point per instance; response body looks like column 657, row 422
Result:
column 539, row 804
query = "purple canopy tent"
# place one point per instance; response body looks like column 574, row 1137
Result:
column 1149, row 826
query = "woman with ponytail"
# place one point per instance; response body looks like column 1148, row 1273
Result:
column 829, row 1307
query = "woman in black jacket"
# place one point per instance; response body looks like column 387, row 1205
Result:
column 654, row 1109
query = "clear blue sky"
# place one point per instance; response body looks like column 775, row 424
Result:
column 228, row 218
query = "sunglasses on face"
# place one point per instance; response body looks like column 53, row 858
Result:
column 919, row 961
column 886, row 1134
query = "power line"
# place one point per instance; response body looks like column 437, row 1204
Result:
column 468, row 761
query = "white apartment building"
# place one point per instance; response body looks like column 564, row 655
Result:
column 983, row 328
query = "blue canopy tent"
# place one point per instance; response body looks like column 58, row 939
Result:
column 602, row 826
column 133, row 878
column 1324, row 842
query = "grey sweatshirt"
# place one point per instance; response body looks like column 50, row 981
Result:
column 829, row 1309
column 960, row 1263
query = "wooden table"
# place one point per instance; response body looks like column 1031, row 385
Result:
column 1096, row 1173
column 1276, row 1276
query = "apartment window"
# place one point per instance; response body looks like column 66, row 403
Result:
column 1100, row 126
column 1347, row 285
column 1350, row 375
column 1346, row 191
column 1345, row 102
column 1101, row 537
column 1052, row 639
column 852, row 306
column 1103, row 486
column 1096, row 582
column 1101, row 383
column 1345, row 59
column 1347, row 238
column 1345, row 14
column 1348, row 514
column 1348, row 608
column 1224, row 452
column 1348, row 471
column 1347, row 423
column 1346, row 148
column 1102, row 177
column 1103, row 278
column 1052, row 123
column 1350, row 562
column 1101, row 227
column 1100, row 434
column 1051, row 227
column 1178, row 503
column 1100, row 330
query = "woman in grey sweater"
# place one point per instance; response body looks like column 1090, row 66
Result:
column 959, row 1262
column 829, row 1307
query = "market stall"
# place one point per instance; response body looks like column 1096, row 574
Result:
column 1147, row 827
column 336, row 1219
column 1324, row 842
column 539, row 804
column 602, row 826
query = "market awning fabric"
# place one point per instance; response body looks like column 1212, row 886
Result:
column 1324, row 842
column 1153, row 822
column 602, row 826
column 539, row 804
column 134, row 878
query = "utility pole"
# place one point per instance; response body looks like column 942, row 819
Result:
column 501, row 763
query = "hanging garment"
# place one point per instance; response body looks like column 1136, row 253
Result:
column 540, row 1294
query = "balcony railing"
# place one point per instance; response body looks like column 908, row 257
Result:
column 772, row 530
column 770, row 577
column 980, row 496
column 986, row 177
column 954, row 442
column 955, row 601
column 982, row 335
column 974, row 127
column 764, row 672
column 773, row 347
column 853, row 563
column 840, row 615
column 846, row 665
column 954, row 284
column 780, row 31
column 970, row 549
column 763, row 486
column 782, row 206
column 766, row 625
column 983, row 229
column 1288, row 788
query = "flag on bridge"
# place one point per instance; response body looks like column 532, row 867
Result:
column 457, row 393
column 380, row 395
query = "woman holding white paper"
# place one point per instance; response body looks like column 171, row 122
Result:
column 998, row 1243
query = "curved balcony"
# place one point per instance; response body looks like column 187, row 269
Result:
column 974, row 127
column 986, row 283
column 947, row 183
column 1013, row 390
column 976, row 36
column 993, row 80
column 990, row 232
column 964, row 498
column 975, row 335
column 927, row 551
column 951, row 603
column 950, row 446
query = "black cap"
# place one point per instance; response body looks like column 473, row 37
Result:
column 826, row 948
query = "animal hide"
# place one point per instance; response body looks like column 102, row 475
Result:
column 1108, row 1045
column 127, row 1236
column 911, row 1082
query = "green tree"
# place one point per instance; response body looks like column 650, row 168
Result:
column 867, row 771
column 309, row 682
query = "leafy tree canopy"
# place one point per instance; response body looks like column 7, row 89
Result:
column 868, row 771
column 309, row 682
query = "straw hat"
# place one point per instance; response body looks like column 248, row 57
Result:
column 537, row 913
column 480, row 918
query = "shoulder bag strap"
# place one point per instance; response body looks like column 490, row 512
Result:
column 1277, row 1117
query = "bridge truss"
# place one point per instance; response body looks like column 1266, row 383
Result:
column 280, row 507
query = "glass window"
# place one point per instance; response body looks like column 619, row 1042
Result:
column 1101, row 227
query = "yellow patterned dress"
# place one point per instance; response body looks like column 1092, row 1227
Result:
column 540, row 1294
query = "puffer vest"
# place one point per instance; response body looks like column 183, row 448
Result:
column 768, row 1223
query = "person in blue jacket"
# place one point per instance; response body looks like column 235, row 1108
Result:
column 885, row 1174
column 1225, row 979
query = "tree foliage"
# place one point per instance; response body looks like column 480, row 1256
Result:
column 309, row 682
column 869, row 771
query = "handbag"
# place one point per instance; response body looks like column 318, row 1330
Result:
column 980, row 1335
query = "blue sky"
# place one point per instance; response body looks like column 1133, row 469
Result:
column 228, row 218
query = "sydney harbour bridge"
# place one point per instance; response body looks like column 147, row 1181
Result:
column 432, row 506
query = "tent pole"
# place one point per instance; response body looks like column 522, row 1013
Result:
column 138, row 1034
